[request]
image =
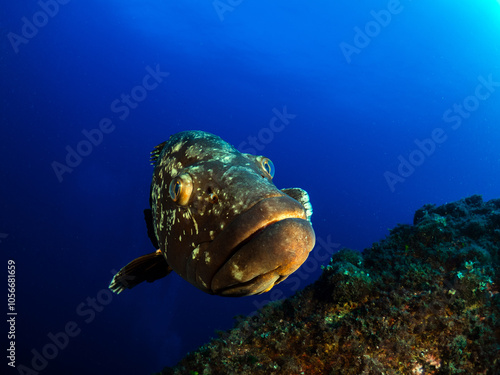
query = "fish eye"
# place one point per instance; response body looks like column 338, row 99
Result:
column 267, row 165
column 180, row 189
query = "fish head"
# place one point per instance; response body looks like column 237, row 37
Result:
column 221, row 222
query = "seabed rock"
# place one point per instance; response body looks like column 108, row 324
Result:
column 422, row 301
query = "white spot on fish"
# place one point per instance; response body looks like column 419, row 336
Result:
column 202, row 282
column 228, row 158
column 195, row 223
column 237, row 274
column 178, row 146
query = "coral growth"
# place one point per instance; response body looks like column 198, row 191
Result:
column 423, row 301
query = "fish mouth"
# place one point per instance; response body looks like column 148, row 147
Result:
column 261, row 247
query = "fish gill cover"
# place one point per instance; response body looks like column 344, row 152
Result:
column 425, row 300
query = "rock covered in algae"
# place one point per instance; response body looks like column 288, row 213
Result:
column 422, row 301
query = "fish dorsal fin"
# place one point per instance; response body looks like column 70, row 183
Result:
column 149, row 267
column 148, row 217
column 156, row 152
column 302, row 197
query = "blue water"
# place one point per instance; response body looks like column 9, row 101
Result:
column 375, row 108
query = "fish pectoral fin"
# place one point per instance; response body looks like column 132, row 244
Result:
column 301, row 196
column 149, row 267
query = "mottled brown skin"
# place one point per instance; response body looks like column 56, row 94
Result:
column 235, row 234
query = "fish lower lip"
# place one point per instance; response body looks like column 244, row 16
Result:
column 267, row 257
column 275, row 214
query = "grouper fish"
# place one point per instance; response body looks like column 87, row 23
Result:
column 218, row 221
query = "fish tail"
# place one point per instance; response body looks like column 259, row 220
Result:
column 149, row 267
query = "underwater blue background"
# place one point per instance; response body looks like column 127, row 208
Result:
column 363, row 83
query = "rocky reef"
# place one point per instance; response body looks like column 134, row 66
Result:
column 422, row 301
